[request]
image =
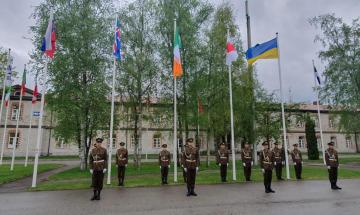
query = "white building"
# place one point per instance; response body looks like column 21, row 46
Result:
column 153, row 135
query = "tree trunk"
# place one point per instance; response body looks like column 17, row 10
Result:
column 82, row 146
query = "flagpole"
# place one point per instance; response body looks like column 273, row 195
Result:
column 231, row 120
column 28, row 136
column 38, row 140
column 175, row 120
column 283, row 112
column 17, row 126
column 2, row 101
column 4, row 133
column 111, row 123
column 318, row 111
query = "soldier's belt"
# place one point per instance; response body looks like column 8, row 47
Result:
column 223, row 157
column 266, row 162
column 191, row 161
column 277, row 157
column 122, row 159
column 99, row 161
column 332, row 159
column 165, row 160
column 247, row 157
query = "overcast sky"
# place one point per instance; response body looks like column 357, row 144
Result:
column 288, row 17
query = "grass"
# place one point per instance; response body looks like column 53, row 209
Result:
column 149, row 175
column 20, row 171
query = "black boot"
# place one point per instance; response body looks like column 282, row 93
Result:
column 333, row 187
column 337, row 187
column 98, row 195
column 94, row 196
column 193, row 192
column 189, row 191
column 271, row 190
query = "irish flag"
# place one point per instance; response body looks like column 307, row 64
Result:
column 177, row 68
column 7, row 96
column 231, row 53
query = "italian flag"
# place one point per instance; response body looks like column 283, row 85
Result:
column 177, row 68
column 23, row 83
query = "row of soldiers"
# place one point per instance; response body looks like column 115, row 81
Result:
column 190, row 160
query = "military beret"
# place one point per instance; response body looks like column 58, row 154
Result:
column 265, row 143
column 222, row 143
column 190, row 140
column 164, row 145
column 122, row 144
column 99, row 140
column 331, row 143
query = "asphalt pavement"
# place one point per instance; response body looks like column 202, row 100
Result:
column 293, row 197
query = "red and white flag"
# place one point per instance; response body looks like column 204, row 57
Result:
column 231, row 53
column 35, row 94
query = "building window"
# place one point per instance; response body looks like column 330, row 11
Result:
column 301, row 142
column 14, row 111
column 11, row 140
column 348, row 142
column 331, row 123
column 132, row 141
column 333, row 139
column 156, row 142
column 318, row 140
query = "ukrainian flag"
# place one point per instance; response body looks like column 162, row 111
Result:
column 267, row 50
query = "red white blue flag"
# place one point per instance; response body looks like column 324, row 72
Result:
column 117, row 41
column 48, row 43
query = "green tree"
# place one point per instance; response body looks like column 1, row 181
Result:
column 311, row 140
column 340, row 53
column 77, row 74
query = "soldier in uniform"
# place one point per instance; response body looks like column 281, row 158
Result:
column 279, row 156
column 121, row 162
column 98, row 163
column 181, row 158
column 164, row 162
column 247, row 161
column 297, row 160
column 267, row 164
column 222, row 159
column 190, row 161
column 332, row 163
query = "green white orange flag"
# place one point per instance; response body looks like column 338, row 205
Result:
column 177, row 68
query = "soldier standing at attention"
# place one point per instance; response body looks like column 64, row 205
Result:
column 279, row 156
column 332, row 163
column 190, row 160
column 121, row 162
column 222, row 159
column 297, row 160
column 247, row 161
column 267, row 163
column 182, row 165
column 164, row 162
column 98, row 163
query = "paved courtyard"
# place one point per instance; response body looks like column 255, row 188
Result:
column 304, row 197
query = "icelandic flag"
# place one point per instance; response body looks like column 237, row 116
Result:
column 117, row 41
column 231, row 53
column 48, row 43
column 317, row 76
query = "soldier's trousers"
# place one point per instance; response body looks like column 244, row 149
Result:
column 223, row 172
column 190, row 178
column 247, row 171
column 267, row 179
column 298, row 170
column 333, row 174
column 278, row 170
column 121, row 174
column 164, row 174
column 184, row 175
column 97, row 179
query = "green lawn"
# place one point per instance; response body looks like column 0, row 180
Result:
column 149, row 175
column 20, row 171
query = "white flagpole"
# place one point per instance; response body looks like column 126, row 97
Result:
column 39, row 140
column 28, row 136
column 232, row 121
column 2, row 103
column 175, row 121
column 17, row 127
column 283, row 112
column 318, row 111
column 4, row 133
column 111, row 123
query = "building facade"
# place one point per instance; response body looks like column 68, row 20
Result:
column 155, row 130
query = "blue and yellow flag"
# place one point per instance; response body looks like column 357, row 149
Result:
column 267, row 50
